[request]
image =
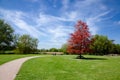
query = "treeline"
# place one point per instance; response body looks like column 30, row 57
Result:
column 50, row 50
column 14, row 43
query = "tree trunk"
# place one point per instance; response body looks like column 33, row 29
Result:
column 80, row 56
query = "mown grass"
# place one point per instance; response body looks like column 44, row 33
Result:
column 69, row 68
column 5, row 58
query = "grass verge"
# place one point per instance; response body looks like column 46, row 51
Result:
column 5, row 58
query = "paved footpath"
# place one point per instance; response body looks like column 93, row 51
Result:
column 9, row 70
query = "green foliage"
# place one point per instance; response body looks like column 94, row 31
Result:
column 53, row 50
column 64, row 48
column 27, row 44
column 15, row 40
column 69, row 68
column 16, row 51
column 101, row 45
column 43, row 50
column 6, row 36
column 11, row 41
column 116, row 48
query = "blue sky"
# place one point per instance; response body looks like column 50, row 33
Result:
column 51, row 21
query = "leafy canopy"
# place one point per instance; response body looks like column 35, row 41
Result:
column 80, row 39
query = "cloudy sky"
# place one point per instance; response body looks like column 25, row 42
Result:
column 51, row 21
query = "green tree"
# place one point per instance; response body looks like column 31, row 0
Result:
column 43, row 50
column 101, row 45
column 15, row 40
column 6, row 36
column 116, row 49
column 64, row 48
column 53, row 50
column 27, row 44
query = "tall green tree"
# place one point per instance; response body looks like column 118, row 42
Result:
column 26, row 44
column 6, row 35
column 101, row 45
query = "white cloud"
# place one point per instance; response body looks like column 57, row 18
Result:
column 59, row 33
column 71, row 16
column 65, row 4
column 55, row 28
column 29, row 28
column 93, row 28
column 95, row 19
column 99, row 16
column 44, row 19
column 17, row 18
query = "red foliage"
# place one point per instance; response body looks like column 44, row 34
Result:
column 79, row 40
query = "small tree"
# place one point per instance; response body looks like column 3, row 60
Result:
column 64, row 48
column 53, row 50
column 27, row 44
column 79, row 40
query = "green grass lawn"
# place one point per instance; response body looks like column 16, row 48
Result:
column 69, row 68
column 6, row 58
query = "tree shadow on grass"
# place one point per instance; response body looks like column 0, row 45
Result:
column 91, row 58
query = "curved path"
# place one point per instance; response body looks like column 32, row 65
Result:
column 9, row 70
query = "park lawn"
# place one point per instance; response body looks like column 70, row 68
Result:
column 68, row 68
column 5, row 58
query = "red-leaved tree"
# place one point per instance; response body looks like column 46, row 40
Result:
column 79, row 41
